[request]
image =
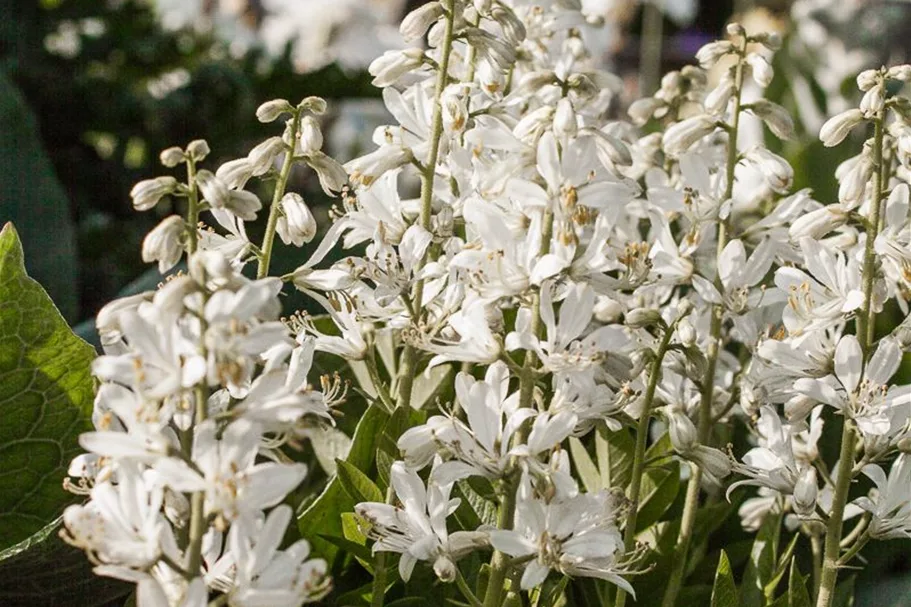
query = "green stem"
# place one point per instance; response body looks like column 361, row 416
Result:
column 816, row 548
column 865, row 332
column 499, row 562
column 691, row 505
column 192, row 206
column 629, row 536
column 409, row 354
column 650, row 45
column 466, row 590
column 378, row 592
column 197, row 500
column 265, row 257
column 829, row 575
column 865, row 323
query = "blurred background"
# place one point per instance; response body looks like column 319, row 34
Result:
column 92, row 90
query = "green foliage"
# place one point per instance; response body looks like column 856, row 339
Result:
column 45, row 397
column 724, row 592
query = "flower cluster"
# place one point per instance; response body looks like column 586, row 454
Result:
column 567, row 280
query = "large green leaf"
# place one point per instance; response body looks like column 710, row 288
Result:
column 614, row 450
column 45, row 399
column 42, row 570
column 323, row 516
column 798, row 595
column 724, row 593
column 32, row 198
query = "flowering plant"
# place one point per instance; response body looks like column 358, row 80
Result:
column 550, row 348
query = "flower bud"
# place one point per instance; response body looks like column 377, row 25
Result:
column 445, row 569
column 640, row 318
column 607, row 310
column 805, row 492
column 770, row 40
column 684, row 437
column 686, row 332
column 716, row 102
column 455, row 109
column 213, row 189
column 904, row 444
column 367, row 169
column 853, row 185
column 762, row 70
column 332, row 176
column 681, row 136
column 313, row 104
column 565, row 126
column 262, row 157
column 235, row 173
column 837, row 127
column 148, row 192
column 296, row 226
column 775, row 117
column 243, row 204
column 709, row 54
column 873, row 100
column 735, row 29
column 172, row 156
column 818, row 223
column 311, row 138
column 391, row 65
column 198, row 149
column 163, row 244
column 866, row 79
column 641, row 110
column 512, row 27
column 271, row 110
column 900, row 72
column 415, row 23
column 775, row 169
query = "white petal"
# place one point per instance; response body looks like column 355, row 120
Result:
column 848, row 362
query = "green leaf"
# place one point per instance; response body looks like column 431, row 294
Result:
column 45, row 399
column 724, row 593
column 761, row 566
column 355, row 549
column 482, row 509
column 33, row 199
column 798, row 596
column 356, row 483
column 665, row 485
column 321, row 517
column 585, row 467
column 615, row 456
column 42, row 570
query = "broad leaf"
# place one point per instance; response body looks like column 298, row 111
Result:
column 660, row 488
column 615, row 456
column 724, row 592
column 45, row 399
column 585, row 468
column 761, row 566
column 356, row 484
column 798, row 596
column 322, row 516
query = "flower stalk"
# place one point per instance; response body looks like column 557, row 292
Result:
column 265, row 257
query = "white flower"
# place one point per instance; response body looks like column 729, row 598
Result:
column 417, row 529
column 772, row 464
column 837, row 127
column 576, row 536
column 391, row 65
column 234, row 484
column 146, row 194
column 890, row 503
column 296, row 225
column 122, row 524
column 164, row 243
column 473, row 340
column 254, row 572
column 860, row 392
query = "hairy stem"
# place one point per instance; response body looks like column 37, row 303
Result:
column 865, row 333
column 265, row 257
column 499, row 562
column 192, row 206
column 629, row 535
column 691, row 505
column 409, row 355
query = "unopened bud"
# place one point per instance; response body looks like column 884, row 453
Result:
column 416, row 23
column 296, row 226
column 311, row 138
column 172, row 156
column 271, row 110
column 148, row 192
column 164, row 243
column 198, row 149
column 837, row 127
column 639, row 318
column 805, row 492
